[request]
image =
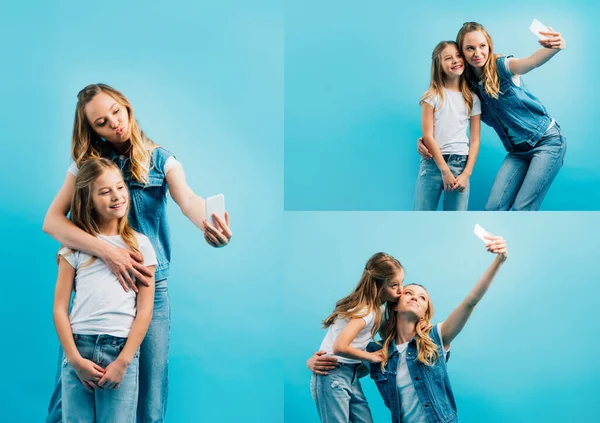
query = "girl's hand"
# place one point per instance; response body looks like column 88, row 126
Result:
column 497, row 245
column 114, row 374
column 89, row 373
column 218, row 237
column 125, row 263
column 422, row 150
column 319, row 363
column 448, row 179
column 376, row 357
column 554, row 40
column 461, row 182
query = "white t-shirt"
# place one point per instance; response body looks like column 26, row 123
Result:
column 411, row 409
column 101, row 306
column 169, row 164
column 451, row 121
column 360, row 342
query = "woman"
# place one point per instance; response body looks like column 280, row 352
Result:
column 105, row 126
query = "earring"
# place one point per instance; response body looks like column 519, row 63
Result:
column 103, row 139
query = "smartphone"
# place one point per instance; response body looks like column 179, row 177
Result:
column 216, row 205
column 536, row 26
column 480, row 232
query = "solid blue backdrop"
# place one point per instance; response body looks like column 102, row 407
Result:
column 529, row 350
column 206, row 82
column 354, row 74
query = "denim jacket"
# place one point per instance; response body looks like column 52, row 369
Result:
column 431, row 382
column 515, row 106
column 147, row 213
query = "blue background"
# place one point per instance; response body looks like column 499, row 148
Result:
column 206, row 82
column 354, row 74
column 529, row 351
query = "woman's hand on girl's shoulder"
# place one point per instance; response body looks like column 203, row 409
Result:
column 218, row 238
column 124, row 264
column 554, row 40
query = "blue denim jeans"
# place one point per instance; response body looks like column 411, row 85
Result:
column 102, row 405
column 525, row 176
column 153, row 365
column 154, row 360
column 430, row 185
column 339, row 396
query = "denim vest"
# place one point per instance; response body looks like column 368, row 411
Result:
column 147, row 212
column 516, row 107
column 431, row 382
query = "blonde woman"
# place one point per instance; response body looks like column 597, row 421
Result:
column 105, row 126
column 412, row 378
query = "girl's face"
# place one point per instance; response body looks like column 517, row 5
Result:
column 108, row 118
column 414, row 299
column 476, row 49
column 452, row 61
column 110, row 196
column 393, row 287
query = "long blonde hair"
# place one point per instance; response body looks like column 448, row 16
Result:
column 438, row 78
column 427, row 350
column 491, row 80
column 82, row 213
column 86, row 144
column 366, row 297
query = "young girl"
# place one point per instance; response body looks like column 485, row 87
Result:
column 105, row 126
column 534, row 141
column 354, row 321
column 102, row 335
column 412, row 378
column 448, row 108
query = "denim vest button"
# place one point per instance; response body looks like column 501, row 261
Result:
column 426, row 404
column 416, row 377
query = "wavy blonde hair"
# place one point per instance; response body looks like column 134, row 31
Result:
column 82, row 212
column 86, row 143
column 438, row 78
column 427, row 350
column 366, row 297
column 491, row 80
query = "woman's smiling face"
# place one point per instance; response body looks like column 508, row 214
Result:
column 475, row 49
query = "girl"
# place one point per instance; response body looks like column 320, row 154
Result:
column 448, row 107
column 105, row 126
column 102, row 335
column 534, row 141
column 412, row 378
column 351, row 326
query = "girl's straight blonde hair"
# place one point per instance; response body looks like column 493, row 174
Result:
column 82, row 212
column 366, row 297
column 438, row 78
